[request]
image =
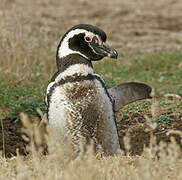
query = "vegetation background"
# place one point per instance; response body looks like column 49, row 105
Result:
column 148, row 37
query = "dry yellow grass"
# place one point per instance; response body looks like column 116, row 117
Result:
column 29, row 34
column 30, row 31
column 58, row 164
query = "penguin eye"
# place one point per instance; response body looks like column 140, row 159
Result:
column 88, row 39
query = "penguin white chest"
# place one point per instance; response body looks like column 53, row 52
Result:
column 79, row 106
column 83, row 111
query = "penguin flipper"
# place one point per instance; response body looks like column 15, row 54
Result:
column 127, row 93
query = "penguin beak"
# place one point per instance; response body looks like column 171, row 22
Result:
column 103, row 49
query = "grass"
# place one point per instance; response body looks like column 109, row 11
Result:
column 59, row 166
column 159, row 70
column 2, row 130
column 20, row 98
column 163, row 119
column 27, row 54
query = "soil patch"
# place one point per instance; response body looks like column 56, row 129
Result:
column 135, row 127
column 12, row 138
column 140, row 133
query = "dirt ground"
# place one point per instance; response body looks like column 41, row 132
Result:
column 134, row 127
column 140, row 137
column 132, row 26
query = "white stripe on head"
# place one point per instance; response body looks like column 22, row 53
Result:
column 79, row 69
column 64, row 49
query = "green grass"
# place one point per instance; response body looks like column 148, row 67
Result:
column 160, row 70
column 21, row 98
column 163, row 120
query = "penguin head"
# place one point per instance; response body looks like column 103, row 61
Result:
column 87, row 41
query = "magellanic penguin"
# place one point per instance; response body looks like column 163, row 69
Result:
column 78, row 104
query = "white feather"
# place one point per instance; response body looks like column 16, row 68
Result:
column 64, row 49
column 80, row 69
column 57, row 111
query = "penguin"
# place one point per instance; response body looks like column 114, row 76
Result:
column 79, row 106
